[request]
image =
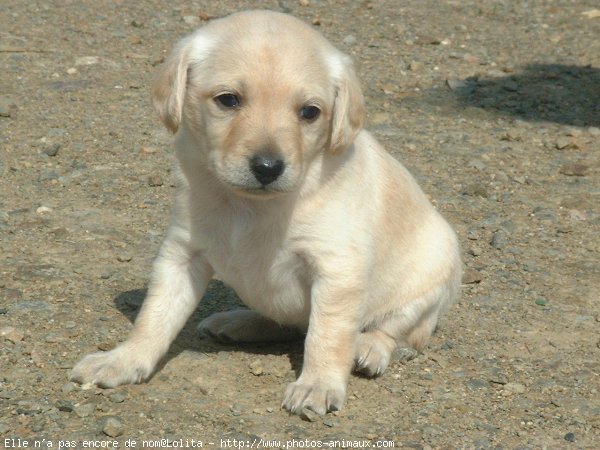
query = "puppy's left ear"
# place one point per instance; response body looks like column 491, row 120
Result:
column 349, row 107
column 168, row 91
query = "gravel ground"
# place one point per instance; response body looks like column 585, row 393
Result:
column 493, row 105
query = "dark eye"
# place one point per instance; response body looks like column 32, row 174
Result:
column 228, row 100
column 310, row 112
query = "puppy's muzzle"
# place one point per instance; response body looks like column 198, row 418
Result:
column 266, row 168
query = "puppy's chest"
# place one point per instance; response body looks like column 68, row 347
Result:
column 256, row 258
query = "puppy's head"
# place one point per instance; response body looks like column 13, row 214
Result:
column 262, row 94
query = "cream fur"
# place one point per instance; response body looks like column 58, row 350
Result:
column 343, row 246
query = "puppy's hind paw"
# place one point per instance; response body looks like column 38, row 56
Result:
column 244, row 325
column 373, row 354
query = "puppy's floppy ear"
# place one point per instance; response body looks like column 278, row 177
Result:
column 349, row 108
column 168, row 91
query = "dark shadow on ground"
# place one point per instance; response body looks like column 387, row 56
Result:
column 558, row 93
column 217, row 298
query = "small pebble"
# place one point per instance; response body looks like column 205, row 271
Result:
column 570, row 437
column 43, row 210
column 124, row 257
column 520, row 179
column 155, row 180
column 28, row 408
column 145, row 149
column 68, row 387
column 32, row 306
column 11, row 334
column 256, row 367
column 498, row 378
column 191, row 20
column 64, row 405
column 473, row 235
column 118, row 397
column 415, row 65
column 475, row 251
column 8, row 108
column 309, row 415
column 578, row 215
column 477, row 164
column 498, row 240
column 60, row 232
column 461, row 87
column 471, row 276
column 349, row 40
column 87, row 60
column 516, row 388
column 574, row 170
column 84, row 410
column 113, row 427
column 54, row 338
column 510, row 86
column 563, row 143
column 106, row 346
column 475, row 190
column 48, row 175
column 52, row 149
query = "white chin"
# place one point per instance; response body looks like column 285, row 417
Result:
column 258, row 193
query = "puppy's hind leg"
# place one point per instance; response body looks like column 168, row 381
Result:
column 404, row 332
column 399, row 337
column 245, row 325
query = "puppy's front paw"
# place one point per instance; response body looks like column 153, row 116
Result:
column 317, row 396
column 110, row 369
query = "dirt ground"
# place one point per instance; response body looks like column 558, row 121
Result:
column 493, row 105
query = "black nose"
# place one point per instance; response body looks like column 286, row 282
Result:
column 266, row 168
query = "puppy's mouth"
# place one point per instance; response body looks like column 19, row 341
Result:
column 259, row 192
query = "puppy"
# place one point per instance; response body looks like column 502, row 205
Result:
column 288, row 200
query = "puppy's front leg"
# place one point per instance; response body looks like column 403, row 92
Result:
column 328, row 350
column 179, row 280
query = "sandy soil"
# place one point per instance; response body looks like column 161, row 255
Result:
column 493, row 105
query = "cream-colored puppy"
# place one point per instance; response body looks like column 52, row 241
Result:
column 287, row 199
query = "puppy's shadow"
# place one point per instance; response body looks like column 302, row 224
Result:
column 218, row 298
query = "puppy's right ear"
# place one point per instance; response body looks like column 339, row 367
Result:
column 168, row 91
column 349, row 108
